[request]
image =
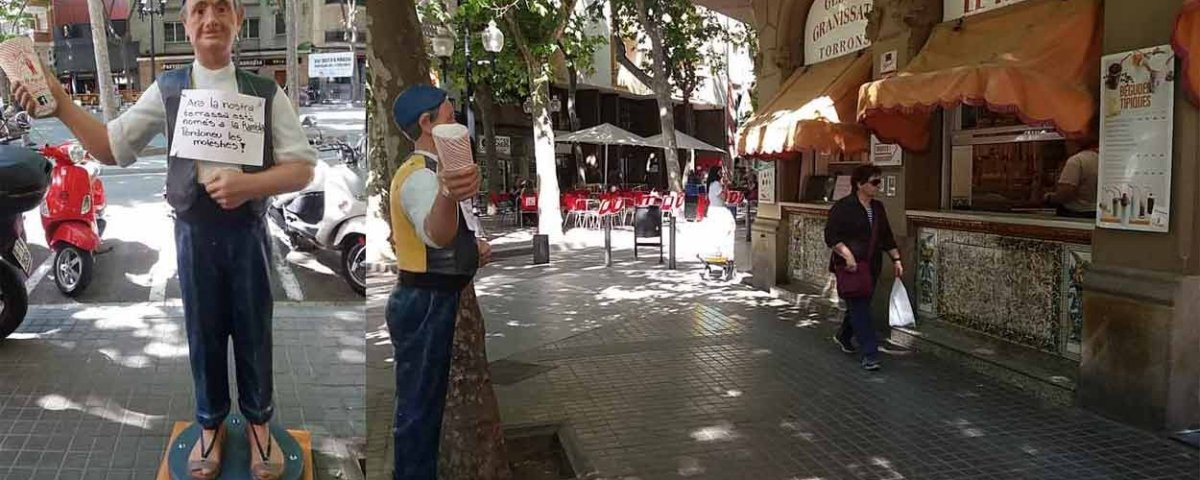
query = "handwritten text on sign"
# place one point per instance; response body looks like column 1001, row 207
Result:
column 220, row 126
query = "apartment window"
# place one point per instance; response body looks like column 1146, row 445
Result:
column 343, row 36
column 173, row 32
column 249, row 28
column 280, row 25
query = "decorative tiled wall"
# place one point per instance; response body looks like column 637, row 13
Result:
column 808, row 257
column 1022, row 290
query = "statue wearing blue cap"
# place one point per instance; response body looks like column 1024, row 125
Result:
column 438, row 255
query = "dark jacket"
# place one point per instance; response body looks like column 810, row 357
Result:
column 848, row 224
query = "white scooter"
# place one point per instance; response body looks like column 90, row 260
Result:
column 330, row 213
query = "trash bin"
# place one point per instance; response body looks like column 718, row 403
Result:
column 541, row 249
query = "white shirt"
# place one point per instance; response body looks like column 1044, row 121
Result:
column 417, row 194
column 1081, row 171
column 129, row 133
column 714, row 195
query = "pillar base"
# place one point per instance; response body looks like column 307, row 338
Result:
column 1141, row 347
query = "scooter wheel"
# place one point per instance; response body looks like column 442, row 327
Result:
column 73, row 270
column 14, row 299
column 354, row 266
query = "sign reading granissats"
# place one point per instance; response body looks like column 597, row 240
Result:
column 1136, row 119
column 835, row 28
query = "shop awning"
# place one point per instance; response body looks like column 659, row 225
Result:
column 1037, row 59
column 1186, row 41
column 814, row 110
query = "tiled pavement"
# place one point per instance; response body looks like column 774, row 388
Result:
column 683, row 379
column 92, row 391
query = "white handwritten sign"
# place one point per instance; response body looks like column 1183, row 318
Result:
column 218, row 126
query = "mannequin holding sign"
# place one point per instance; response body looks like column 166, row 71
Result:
column 233, row 140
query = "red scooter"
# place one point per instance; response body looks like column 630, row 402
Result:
column 73, row 215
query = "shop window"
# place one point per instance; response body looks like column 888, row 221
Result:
column 173, row 32
column 249, row 28
column 998, row 164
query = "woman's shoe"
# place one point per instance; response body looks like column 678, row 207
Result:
column 204, row 463
column 266, row 460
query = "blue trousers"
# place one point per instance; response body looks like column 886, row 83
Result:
column 224, row 275
column 421, row 325
column 857, row 322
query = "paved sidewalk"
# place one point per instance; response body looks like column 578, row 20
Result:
column 662, row 375
column 92, row 392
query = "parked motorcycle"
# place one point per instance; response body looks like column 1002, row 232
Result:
column 73, row 215
column 330, row 213
column 24, row 177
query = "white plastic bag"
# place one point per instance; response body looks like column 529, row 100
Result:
column 900, row 313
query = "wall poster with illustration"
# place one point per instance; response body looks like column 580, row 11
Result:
column 1136, row 120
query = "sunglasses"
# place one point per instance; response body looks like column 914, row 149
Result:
column 876, row 181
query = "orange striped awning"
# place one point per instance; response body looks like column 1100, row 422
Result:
column 814, row 110
column 1038, row 60
column 1186, row 40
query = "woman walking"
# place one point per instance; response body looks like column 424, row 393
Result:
column 859, row 234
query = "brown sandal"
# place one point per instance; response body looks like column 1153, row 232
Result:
column 208, row 466
column 265, row 463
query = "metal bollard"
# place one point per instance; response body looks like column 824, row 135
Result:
column 671, row 259
column 608, row 244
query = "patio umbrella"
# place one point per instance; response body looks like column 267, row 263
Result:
column 606, row 134
column 685, row 141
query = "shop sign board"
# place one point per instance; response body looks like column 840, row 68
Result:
column 503, row 144
column 1137, row 107
column 956, row 9
column 766, row 182
column 885, row 154
column 331, row 65
column 835, row 28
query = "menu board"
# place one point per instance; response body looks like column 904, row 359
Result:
column 1136, row 113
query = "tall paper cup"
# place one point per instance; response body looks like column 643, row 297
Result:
column 21, row 63
column 453, row 146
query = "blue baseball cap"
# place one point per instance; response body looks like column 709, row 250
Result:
column 414, row 101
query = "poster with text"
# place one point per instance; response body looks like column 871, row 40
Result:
column 218, row 126
column 1136, row 113
column 331, row 65
column 766, row 182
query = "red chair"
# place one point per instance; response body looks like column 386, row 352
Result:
column 607, row 212
column 575, row 211
column 529, row 205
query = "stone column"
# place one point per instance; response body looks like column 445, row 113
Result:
column 1141, row 334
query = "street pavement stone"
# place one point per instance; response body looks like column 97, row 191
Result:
column 692, row 379
column 93, row 391
column 663, row 375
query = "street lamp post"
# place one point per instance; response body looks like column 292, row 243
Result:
column 443, row 48
column 150, row 8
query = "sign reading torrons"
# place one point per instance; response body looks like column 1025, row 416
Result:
column 835, row 28
column 956, row 9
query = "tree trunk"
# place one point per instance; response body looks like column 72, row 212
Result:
column 573, row 115
column 103, row 66
column 394, row 66
column 472, row 445
column 549, row 213
column 486, row 105
column 293, row 65
column 662, row 92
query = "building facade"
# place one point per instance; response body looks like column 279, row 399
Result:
column 335, row 26
column 74, row 51
column 1088, row 311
